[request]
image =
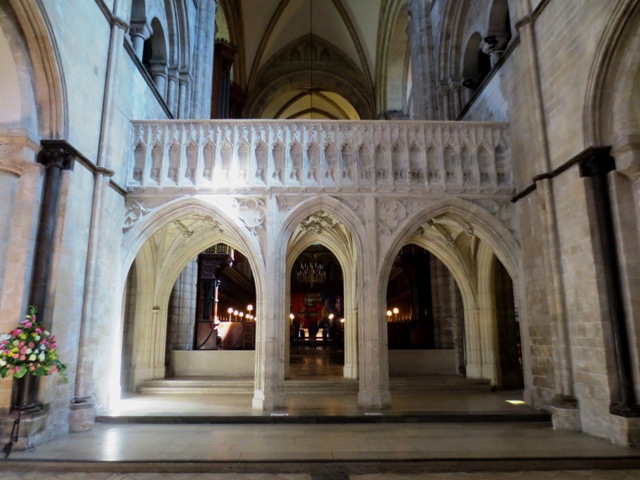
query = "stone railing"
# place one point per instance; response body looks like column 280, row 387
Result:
column 223, row 155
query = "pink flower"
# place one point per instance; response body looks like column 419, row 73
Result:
column 16, row 332
column 23, row 357
column 28, row 324
column 53, row 369
column 32, row 345
column 32, row 367
column 38, row 330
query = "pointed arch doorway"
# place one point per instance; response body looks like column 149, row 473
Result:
column 453, row 314
column 321, row 245
column 316, row 318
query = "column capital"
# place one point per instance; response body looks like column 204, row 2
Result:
column 596, row 161
column 140, row 28
column 57, row 154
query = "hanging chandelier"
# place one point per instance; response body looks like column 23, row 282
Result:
column 311, row 273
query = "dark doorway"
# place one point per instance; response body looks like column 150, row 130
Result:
column 316, row 318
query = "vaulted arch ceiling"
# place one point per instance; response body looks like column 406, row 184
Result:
column 269, row 26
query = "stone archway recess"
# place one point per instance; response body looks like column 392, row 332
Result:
column 161, row 246
column 324, row 228
column 467, row 241
column 611, row 118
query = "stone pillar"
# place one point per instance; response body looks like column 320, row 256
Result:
column 159, row 72
column 182, row 309
column 82, row 408
column 183, row 95
column 445, row 108
column 373, row 363
column 19, row 179
column 203, row 67
column 172, row 91
column 270, row 328
column 473, row 342
column 422, row 68
column 564, row 405
column 595, row 166
column 140, row 32
column 56, row 156
column 455, row 87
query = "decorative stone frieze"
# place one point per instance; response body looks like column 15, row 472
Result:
column 345, row 156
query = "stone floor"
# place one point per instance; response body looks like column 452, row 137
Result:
column 191, row 437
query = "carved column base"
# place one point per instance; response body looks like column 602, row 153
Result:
column 565, row 414
column 82, row 415
column 268, row 402
column 378, row 400
column 32, row 428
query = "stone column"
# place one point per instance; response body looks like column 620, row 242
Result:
column 140, row 32
column 173, row 91
column 203, row 60
column 19, row 179
column 183, row 95
column 373, row 352
column 82, row 409
column 445, row 108
column 455, row 87
column 595, row 166
column 56, row 156
column 159, row 72
column 422, row 68
column 182, row 309
column 565, row 411
column 270, row 328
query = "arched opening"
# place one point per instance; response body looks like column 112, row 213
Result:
column 508, row 324
column 499, row 25
column 190, row 269
column 310, row 77
column 208, row 324
column 425, row 316
column 476, row 65
column 154, row 56
column 316, row 318
column 297, row 103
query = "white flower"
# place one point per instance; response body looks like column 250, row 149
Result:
column 5, row 336
column 41, row 357
column 29, row 351
column 2, row 362
column 32, row 358
column 36, row 337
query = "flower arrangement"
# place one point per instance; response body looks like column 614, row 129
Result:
column 29, row 349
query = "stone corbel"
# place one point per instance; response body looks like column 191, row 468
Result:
column 17, row 154
column 627, row 157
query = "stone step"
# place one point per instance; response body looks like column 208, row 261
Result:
column 329, row 386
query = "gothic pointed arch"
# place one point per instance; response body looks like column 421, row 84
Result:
column 34, row 50
column 331, row 71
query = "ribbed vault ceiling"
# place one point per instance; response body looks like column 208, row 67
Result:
column 268, row 27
